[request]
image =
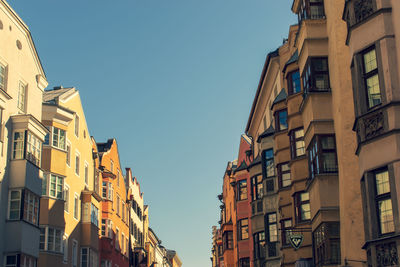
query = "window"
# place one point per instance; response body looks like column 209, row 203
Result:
column 311, row 9
column 256, row 187
column 84, row 257
column 281, row 120
column 286, row 226
column 28, row 208
column 244, row 262
column 117, row 177
column 118, row 200
column 106, row 228
column 21, row 97
column 326, row 244
column 18, row 145
column 58, row 138
column 242, row 190
column 86, row 173
column 294, row 83
column 3, row 75
column 68, row 154
column 65, row 249
column 322, row 155
column 12, row 260
column 284, row 175
column 117, row 238
column 74, row 253
column 269, row 167
column 15, row 205
column 383, row 201
column 316, row 75
column 33, row 149
column 122, row 243
column 123, row 211
column 66, row 198
column 259, row 245
column 77, row 163
column 51, row 239
column 76, row 125
column 94, row 215
column 227, row 239
column 272, row 227
column 371, row 77
column 76, row 207
column 20, row 260
column 297, row 143
column 302, row 206
column 56, row 186
column 243, row 229
column 111, row 166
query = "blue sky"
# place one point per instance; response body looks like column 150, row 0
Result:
column 173, row 81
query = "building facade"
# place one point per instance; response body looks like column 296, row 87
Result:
column 22, row 82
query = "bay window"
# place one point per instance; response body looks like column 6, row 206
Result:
column 371, row 77
column 53, row 186
column 326, row 244
column 383, row 201
column 284, row 175
column 316, row 75
column 20, row 260
column 29, row 149
column 311, row 9
column 297, row 146
column 27, row 210
column 51, row 239
column 302, row 207
column 227, row 239
column 322, row 155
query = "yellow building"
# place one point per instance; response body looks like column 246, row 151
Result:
column 69, row 210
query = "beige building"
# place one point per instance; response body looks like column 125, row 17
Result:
column 22, row 81
column 70, row 204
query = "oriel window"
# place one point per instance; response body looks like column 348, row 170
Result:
column 384, row 201
column 371, row 77
column 316, row 75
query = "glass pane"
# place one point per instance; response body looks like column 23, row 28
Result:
column 305, row 211
column 15, row 195
column 329, row 162
column 370, row 61
column 271, row 218
column 328, row 142
column 304, row 197
column 283, row 120
column 320, row 64
column 296, row 82
column 382, row 182
column 299, row 134
column 286, row 179
column 386, row 216
column 374, row 92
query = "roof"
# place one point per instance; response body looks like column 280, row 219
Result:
column 270, row 131
column 256, row 161
column 104, row 147
column 51, row 96
column 293, row 59
column 243, row 166
column 263, row 73
column 280, row 97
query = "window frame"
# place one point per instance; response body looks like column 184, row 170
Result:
column 76, row 125
column 242, row 189
column 386, row 196
column 316, row 154
column 257, row 188
column 297, row 140
column 28, row 210
column 4, row 74
column 278, row 123
column 242, row 227
column 367, row 75
column 76, row 206
column 227, row 240
column 322, row 240
column 58, row 139
column 291, row 82
column 259, row 248
column 308, row 77
column 77, row 163
column 86, row 173
column 304, row 12
column 281, row 174
column 286, row 231
column 298, row 204
column 21, row 98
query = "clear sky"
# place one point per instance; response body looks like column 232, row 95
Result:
column 173, row 81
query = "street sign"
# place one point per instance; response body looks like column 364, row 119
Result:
column 296, row 240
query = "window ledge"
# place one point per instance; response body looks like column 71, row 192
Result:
column 380, row 239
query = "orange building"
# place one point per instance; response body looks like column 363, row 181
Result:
column 114, row 244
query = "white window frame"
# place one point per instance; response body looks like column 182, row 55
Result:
column 9, row 204
column 21, row 104
column 77, row 166
column 86, row 173
column 77, row 125
column 76, row 206
column 14, row 154
column 57, row 177
column 66, row 197
column 68, row 160
column 5, row 76
column 51, row 141
column 75, row 247
column 46, row 239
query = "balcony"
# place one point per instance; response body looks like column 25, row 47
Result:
column 357, row 11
